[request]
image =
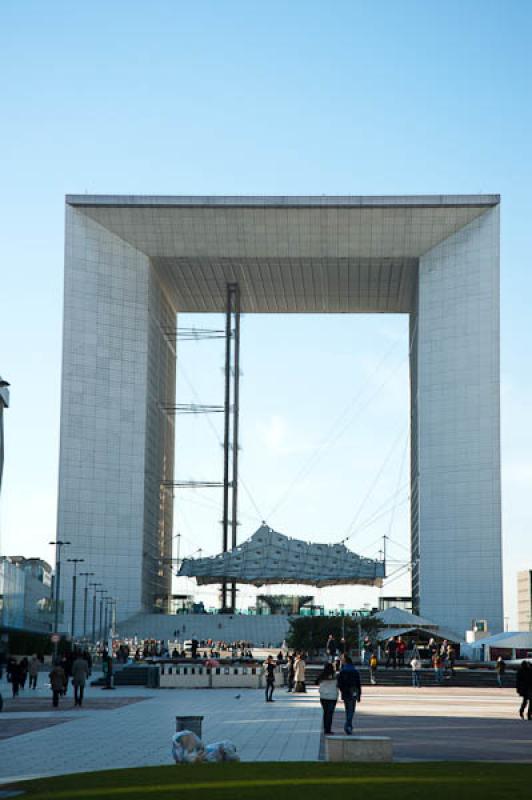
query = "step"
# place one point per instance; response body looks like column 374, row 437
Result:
column 358, row 748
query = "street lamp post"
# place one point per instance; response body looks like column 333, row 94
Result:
column 113, row 617
column 74, row 561
column 59, row 543
column 86, row 575
column 101, row 592
column 106, row 618
column 94, row 612
column 109, row 626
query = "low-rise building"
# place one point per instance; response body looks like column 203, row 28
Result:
column 25, row 594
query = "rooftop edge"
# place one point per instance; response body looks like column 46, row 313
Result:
column 286, row 201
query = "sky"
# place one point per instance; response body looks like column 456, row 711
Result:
column 265, row 98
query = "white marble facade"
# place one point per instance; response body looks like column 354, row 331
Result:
column 116, row 445
column 132, row 263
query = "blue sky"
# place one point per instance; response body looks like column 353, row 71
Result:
column 277, row 98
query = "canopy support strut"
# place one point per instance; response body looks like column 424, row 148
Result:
column 231, row 426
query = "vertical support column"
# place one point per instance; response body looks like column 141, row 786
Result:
column 231, row 414
column 236, row 409
column 227, row 421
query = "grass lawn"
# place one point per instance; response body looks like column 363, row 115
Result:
column 293, row 781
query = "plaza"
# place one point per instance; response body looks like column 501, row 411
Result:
column 132, row 727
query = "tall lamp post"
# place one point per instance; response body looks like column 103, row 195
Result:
column 85, row 575
column 113, row 616
column 101, row 592
column 106, row 618
column 109, row 627
column 59, row 543
column 74, row 561
column 341, row 607
column 94, row 612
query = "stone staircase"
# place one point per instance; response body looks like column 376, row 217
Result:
column 463, row 677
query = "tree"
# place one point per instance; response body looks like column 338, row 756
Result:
column 311, row 633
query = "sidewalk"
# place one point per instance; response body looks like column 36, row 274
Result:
column 139, row 734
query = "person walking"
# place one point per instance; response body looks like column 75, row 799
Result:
column 373, row 664
column 451, row 658
column 290, row 672
column 328, row 695
column 269, row 671
column 367, row 650
column 23, row 667
column 33, row 671
column 57, row 682
column 391, row 653
column 433, row 647
column 500, row 669
column 401, row 650
column 80, row 673
column 350, row 689
column 523, row 687
column 416, row 671
column 438, row 669
column 13, row 675
column 331, row 647
column 299, row 674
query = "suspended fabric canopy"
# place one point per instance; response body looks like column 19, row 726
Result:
column 270, row 557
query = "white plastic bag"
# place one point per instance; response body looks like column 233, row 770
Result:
column 187, row 748
column 221, row 751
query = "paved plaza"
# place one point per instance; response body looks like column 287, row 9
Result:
column 136, row 727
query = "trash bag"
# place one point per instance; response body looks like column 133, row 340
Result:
column 221, row 751
column 187, row 748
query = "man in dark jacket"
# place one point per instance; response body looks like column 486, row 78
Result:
column 391, row 653
column 57, row 682
column 523, row 687
column 269, row 671
column 350, row 689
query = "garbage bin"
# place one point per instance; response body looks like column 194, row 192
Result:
column 189, row 724
column 153, row 678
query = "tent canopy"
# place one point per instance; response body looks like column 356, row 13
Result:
column 269, row 557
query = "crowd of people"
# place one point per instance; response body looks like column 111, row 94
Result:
column 193, row 648
column 401, row 654
column 340, row 678
column 295, row 672
column 20, row 671
column 75, row 665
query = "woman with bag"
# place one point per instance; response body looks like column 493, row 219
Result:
column 328, row 695
column 299, row 673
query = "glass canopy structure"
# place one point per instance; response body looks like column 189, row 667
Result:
column 270, row 557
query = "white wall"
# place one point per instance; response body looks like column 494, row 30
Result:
column 460, row 568
column 106, row 421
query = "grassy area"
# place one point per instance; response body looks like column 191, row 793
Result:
column 293, row 781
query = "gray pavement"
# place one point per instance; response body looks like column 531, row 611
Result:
column 429, row 723
column 444, row 723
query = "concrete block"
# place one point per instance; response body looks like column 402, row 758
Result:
column 358, row 748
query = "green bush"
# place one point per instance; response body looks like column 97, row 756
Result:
column 311, row 633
